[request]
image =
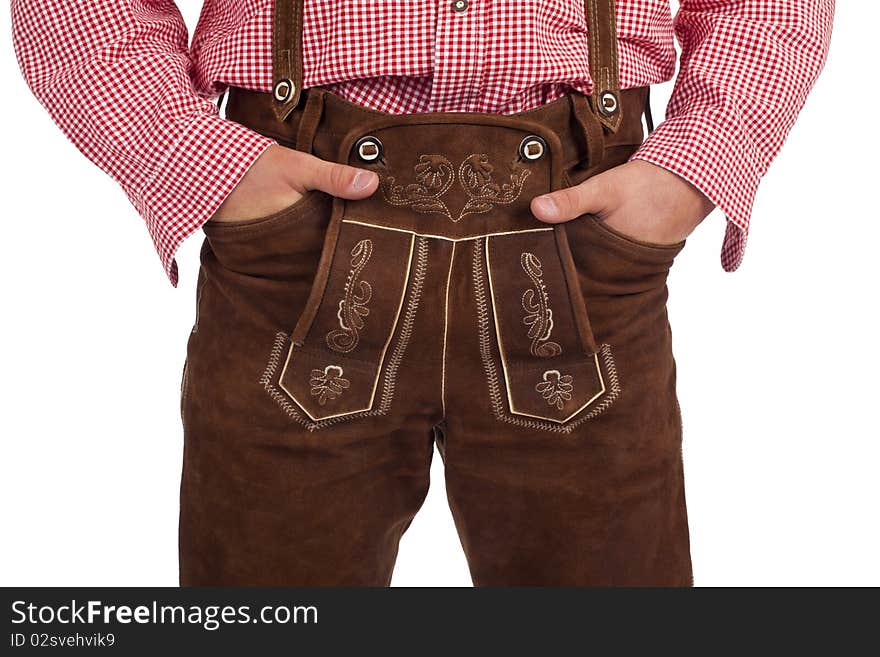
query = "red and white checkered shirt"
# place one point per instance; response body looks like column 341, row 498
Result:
column 121, row 80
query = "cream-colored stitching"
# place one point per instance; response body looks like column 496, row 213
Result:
column 612, row 29
column 603, row 78
column 390, row 379
column 434, row 176
column 594, row 43
column 504, row 363
column 496, row 396
column 269, row 374
column 475, row 177
column 353, row 305
column 613, row 384
column 468, row 238
column 539, row 315
column 556, row 388
column 328, row 384
column 381, row 360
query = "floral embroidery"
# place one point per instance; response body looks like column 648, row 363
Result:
column 475, row 176
column 556, row 388
column 353, row 305
column 328, row 384
column 434, row 175
column 539, row 315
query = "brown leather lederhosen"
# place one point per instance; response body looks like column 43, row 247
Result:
column 336, row 342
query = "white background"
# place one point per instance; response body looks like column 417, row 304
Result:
column 778, row 363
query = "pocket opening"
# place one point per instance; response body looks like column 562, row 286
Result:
column 259, row 225
column 575, row 294
column 614, row 234
column 319, row 284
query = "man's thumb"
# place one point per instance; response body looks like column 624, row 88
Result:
column 340, row 179
column 567, row 204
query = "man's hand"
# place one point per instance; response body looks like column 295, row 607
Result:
column 638, row 199
column 280, row 176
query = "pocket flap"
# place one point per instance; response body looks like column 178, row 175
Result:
column 548, row 371
column 334, row 369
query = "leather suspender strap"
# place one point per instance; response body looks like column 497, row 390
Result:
column 602, row 43
column 604, row 67
column 311, row 117
column 591, row 128
column 287, row 50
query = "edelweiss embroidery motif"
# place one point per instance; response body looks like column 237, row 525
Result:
column 556, row 388
column 475, row 176
column 353, row 305
column 328, row 384
column 539, row 315
column 434, row 175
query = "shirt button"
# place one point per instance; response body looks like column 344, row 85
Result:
column 460, row 5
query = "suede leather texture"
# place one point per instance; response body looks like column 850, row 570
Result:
column 337, row 342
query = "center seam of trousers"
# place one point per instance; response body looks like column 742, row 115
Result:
column 445, row 331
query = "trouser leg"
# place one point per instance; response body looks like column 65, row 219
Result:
column 269, row 496
column 597, row 499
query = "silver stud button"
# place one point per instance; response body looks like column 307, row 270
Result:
column 368, row 148
column 532, row 148
column 460, row 5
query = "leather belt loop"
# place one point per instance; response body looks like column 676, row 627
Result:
column 604, row 66
column 592, row 130
column 287, row 67
column 649, row 117
column 309, row 120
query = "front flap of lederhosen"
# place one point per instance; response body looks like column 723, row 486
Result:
column 544, row 339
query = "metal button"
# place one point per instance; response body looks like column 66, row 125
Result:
column 608, row 102
column 460, row 5
column 532, row 148
column 368, row 148
column 283, row 90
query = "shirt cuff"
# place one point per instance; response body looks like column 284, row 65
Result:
column 711, row 152
column 199, row 171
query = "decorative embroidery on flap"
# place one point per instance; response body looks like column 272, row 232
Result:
column 539, row 315
column 495, row 378
column 556, row 388
column 353, row 305
column 269, row 378
column 434, row 175
column 475, row 176
column 328, row 384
